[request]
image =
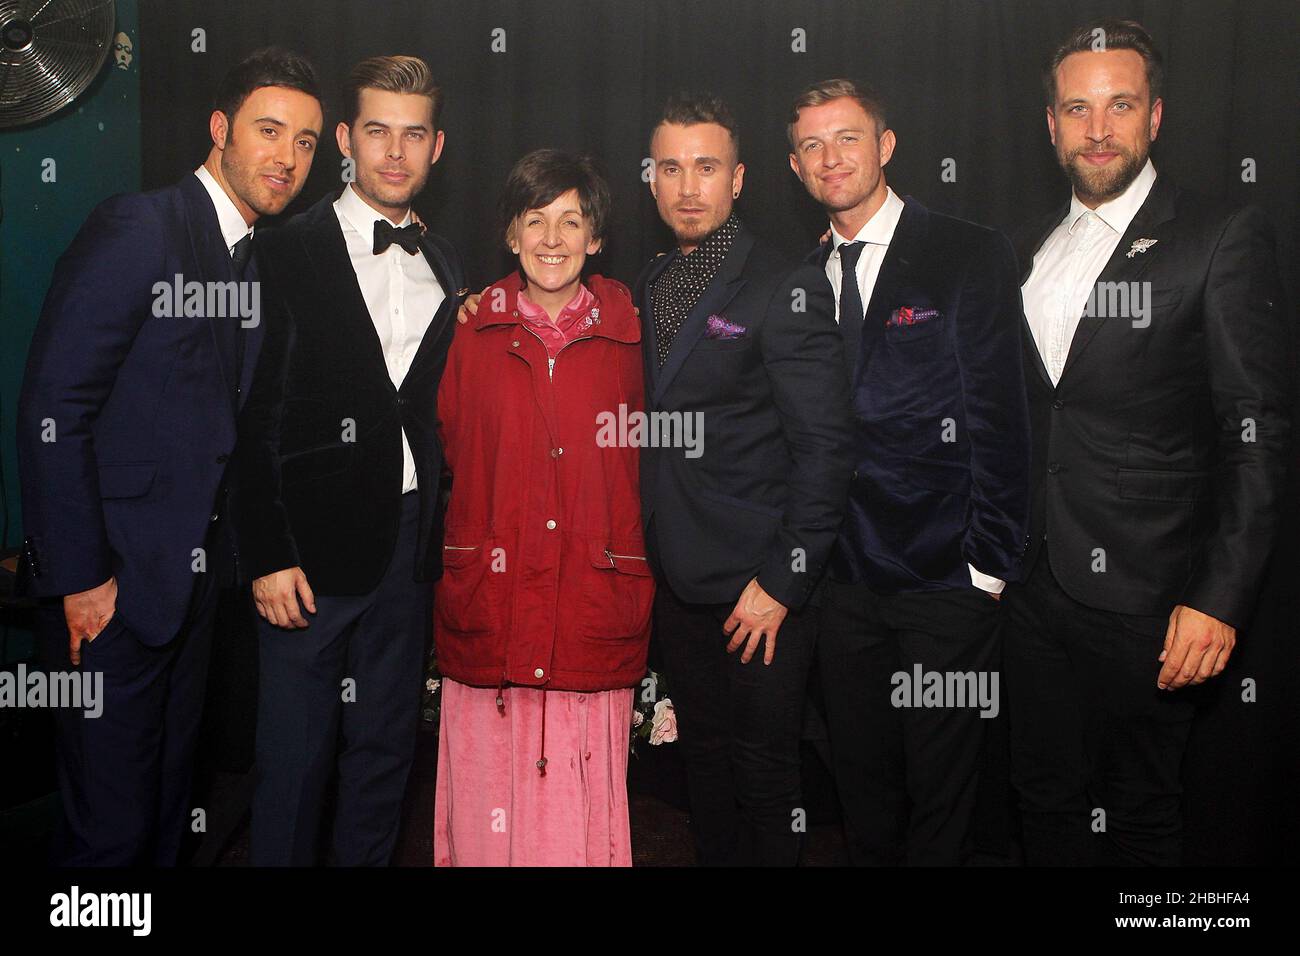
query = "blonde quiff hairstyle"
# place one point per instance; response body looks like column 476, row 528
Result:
column 391, row 74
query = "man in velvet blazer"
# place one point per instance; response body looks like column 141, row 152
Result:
column 125, row 425
column 938, row 506
column 336, row 482
column 1157, row 356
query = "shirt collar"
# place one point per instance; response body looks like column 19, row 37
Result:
column 582, row 300
column 879, row 229
column 360, row 215
column 233, row 227
column 1118, row 212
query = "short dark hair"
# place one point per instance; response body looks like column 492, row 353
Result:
column 543, row 175
column 689, row 108
column 1115, row 34
column 824, row 91
column 391, row 74
column 269, row 66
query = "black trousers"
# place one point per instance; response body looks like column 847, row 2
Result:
column 1096, row 747
column 340, row 701
column 907, row 776
column 739, row 727
column 124, row 776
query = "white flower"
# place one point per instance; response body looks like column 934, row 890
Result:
column 663, row 726
column 638, row 718
column 432, row 685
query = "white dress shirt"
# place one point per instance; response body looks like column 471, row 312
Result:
column 233, row 227
column 1066, row 268
column 400, row 290
column 878, row 233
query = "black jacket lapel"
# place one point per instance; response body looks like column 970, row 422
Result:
column 896, row 268
column 1158, row 208
column 337, row 280
column 720, row 291
column 450, row 304
column 213, row 260
column 649, row 338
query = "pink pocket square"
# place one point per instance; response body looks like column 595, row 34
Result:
column 720, row 328
column 907, row 315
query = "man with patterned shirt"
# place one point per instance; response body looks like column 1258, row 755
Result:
column 744, row 341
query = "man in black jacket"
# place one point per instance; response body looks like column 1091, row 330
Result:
column 929, row 308
column 338, row 469
column 1158, row 373
column 739, row 523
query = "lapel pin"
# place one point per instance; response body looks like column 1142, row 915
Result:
column 1140, row 245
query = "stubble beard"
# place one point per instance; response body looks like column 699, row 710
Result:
column 1102, row 185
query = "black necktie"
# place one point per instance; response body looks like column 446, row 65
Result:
column 851, row 310
column 240, row 254
column 408, row 237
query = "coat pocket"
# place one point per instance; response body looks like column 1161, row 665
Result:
column 616, row 604
column 914, row 331
column 468, row 596
column 1146, row 484
column 126, row 479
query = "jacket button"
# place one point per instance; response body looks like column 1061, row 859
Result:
column 1058, row 404
column 222, row 459
column 1054, row 467
column 214, row 516
column 557, row 452
column 550, row 526
column 539, row 673
column 401, row 399
column 514, row 344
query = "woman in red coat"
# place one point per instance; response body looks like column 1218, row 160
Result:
column 542, row 615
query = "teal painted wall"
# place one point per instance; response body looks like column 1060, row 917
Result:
column 95, row 145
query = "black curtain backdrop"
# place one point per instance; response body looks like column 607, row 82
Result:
column 962, row 78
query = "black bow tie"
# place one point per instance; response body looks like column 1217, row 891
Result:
column 408, row 237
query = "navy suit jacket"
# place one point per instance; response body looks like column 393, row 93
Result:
column 766, row 496
column 941, row 453
column 126, row 416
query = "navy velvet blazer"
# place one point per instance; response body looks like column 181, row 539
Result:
column 941, row 450
column 139, row 406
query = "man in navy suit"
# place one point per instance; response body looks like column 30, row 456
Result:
column 929, row 309
column 144, row 350
column 740, row 340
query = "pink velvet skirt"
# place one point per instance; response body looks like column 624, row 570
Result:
column 493, row 808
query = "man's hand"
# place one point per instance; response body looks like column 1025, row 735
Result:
column 86, row 613
column 469, row 307
column 276, row 597
column 1197, row 648
column 756, row 613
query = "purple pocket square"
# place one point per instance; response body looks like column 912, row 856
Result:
column 720, row 328
column 907, row 315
